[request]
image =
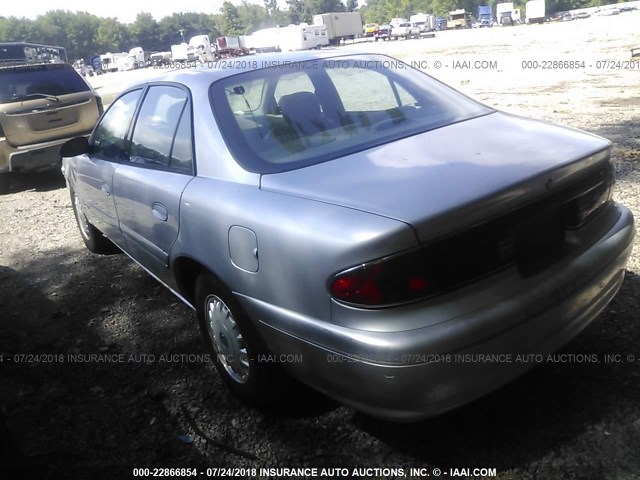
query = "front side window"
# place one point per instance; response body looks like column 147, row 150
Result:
column 320, row 110
column 156, row 126
column 109, row 138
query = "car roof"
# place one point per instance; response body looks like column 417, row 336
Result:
column 212, row 71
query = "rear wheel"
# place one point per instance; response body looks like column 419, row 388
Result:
column 240, row 354
column 93, row 238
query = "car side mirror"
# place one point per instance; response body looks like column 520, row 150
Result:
column 75, row 146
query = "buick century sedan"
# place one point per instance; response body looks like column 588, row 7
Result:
column 350, row 222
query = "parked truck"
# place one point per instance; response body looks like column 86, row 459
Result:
column 504, row 13
column 425, row 22
column 340, row 25
column 200, row 46
column 535, row 11
column 459, row 19
column 404, row 30
column 485, row 19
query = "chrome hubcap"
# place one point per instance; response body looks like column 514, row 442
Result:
column 82, row 220
column 226, row 339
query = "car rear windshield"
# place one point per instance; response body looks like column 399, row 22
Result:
column 292, row 115
column 36, row 81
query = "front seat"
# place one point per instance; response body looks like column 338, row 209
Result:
column 303, row 112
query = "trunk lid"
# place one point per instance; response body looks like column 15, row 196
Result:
column 450, row 178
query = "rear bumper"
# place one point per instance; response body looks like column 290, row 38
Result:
column 31, row 157
column 413, row 374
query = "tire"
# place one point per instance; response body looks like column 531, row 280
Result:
column 93, row 238
column 236, row 346
column 5, row 182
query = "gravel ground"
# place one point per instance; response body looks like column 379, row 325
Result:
column 158, row 402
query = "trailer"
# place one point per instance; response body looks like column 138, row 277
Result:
column 160, row 58
column 340, row 25
column 535, row 11
column 110, row 61
column 181, row 53
column 302, row 37
column 265, row 40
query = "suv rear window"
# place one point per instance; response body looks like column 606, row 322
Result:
column 27, row 82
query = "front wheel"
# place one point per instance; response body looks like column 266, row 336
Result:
column 93, row 238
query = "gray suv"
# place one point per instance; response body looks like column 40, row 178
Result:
column 43, row 103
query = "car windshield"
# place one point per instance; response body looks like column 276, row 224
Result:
column 298, row 114
column 39, row 81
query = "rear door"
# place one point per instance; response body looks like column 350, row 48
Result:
column 41, row 103
column 93, row 173
column 148, row 186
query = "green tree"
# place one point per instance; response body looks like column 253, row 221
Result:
column 112, row 36
column 231, row 23
column 145, row 32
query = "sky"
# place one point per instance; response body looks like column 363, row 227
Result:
column 125, row 11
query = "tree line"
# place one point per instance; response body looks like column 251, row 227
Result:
column 84, row 34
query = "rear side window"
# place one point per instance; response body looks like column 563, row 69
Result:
column 162, row 134
column 108, row 140
column 25, row 83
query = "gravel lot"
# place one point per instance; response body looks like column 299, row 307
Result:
column 59, row 304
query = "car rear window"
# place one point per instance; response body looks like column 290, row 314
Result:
column 298, row 114
column 27, row 82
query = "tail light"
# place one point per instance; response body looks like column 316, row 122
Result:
column 389, row 281
column 533, row 237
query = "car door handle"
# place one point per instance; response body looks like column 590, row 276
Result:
column 105, row 188
column 160, row 212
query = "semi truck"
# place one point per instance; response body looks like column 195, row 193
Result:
column 535, row 11
column 504, row 13
column 484, row 16
column 340, row 25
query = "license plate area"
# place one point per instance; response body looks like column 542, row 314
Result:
column 540, row 242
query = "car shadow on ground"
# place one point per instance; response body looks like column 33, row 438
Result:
column 64, row 408
column 121, row 368
column 626, row 145
column 42, row 181
column 568, row 402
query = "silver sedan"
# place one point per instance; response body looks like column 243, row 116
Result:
column 355, row 224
